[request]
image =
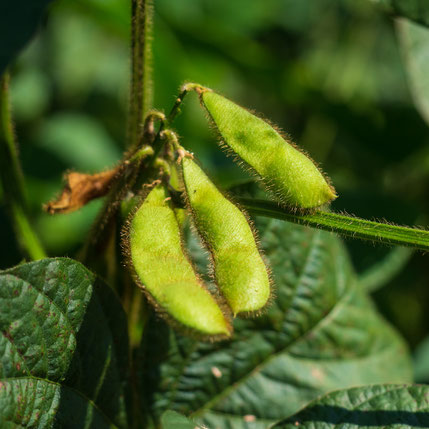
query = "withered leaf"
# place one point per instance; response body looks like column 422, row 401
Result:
column 80, row 189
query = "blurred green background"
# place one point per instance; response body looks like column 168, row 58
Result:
column 328, row 72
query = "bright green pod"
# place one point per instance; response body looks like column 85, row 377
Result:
column 288, row 173
column 239, row 270
column 164, row 270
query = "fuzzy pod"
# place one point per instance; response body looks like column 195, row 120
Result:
column 239, row 270
column 288, row 173
column 163, row 268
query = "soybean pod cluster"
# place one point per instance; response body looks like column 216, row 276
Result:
column 154, row 239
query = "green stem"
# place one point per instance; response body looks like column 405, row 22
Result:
column 12, row 179
column 13, row 182
column 141, row 93
column 345, row 225
column 27, row 238
column 175, row 110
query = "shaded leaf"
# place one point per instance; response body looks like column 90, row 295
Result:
column 414, row 42
column 321, row 333
column 173, row 420
column 63, row 347
column 31, row 402
column 383, row 406
column 386, row 269
column 417, row 10
column 18, row 22
column 79, row 140
column 421, row 362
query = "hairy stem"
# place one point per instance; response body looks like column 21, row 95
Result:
column 13, row 181
column 141, row 94
column 345, row 225
column 175, row 110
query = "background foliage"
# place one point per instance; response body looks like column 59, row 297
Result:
column 330, row 73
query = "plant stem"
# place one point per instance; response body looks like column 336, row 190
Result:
column 345, row 225
column 28, row 239
column 158, row 142
column 13, row 183
column 141, row 94
column 13, row 180
column 137, row 318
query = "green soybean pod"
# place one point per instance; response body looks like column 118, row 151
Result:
column 239, row 269
column 162, row 267
column 287, row 172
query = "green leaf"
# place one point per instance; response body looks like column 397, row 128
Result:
column 321, row 333
column 383, row 271
column 173, row 420
column 30, row 402
column 18, row 22
column 383, row 406
column 414, row 43
column 79, row 141
column 417, row 10
column 421, row 362
column 63, row 347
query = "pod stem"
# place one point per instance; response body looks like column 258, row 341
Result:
column 345, row 225
column 137, row 317
column 12, row 179
column 159, row 141
column 141, row 92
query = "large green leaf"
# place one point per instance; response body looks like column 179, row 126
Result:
column 18, row 22
column 321, row 333
column 383, row 406
column 417, row 10
column 30, row 402
column 63, row 348
column 414, row 42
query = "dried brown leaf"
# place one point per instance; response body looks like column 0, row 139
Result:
column 80, row 189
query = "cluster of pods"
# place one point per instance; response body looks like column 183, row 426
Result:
column 157, row 252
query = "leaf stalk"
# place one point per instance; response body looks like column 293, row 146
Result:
column 345, row 225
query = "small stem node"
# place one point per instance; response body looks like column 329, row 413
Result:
column 141, row 154
column 190, row 86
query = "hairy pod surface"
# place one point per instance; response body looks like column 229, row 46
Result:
column 290, row 174
column 239, row 269
column 158, row 258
